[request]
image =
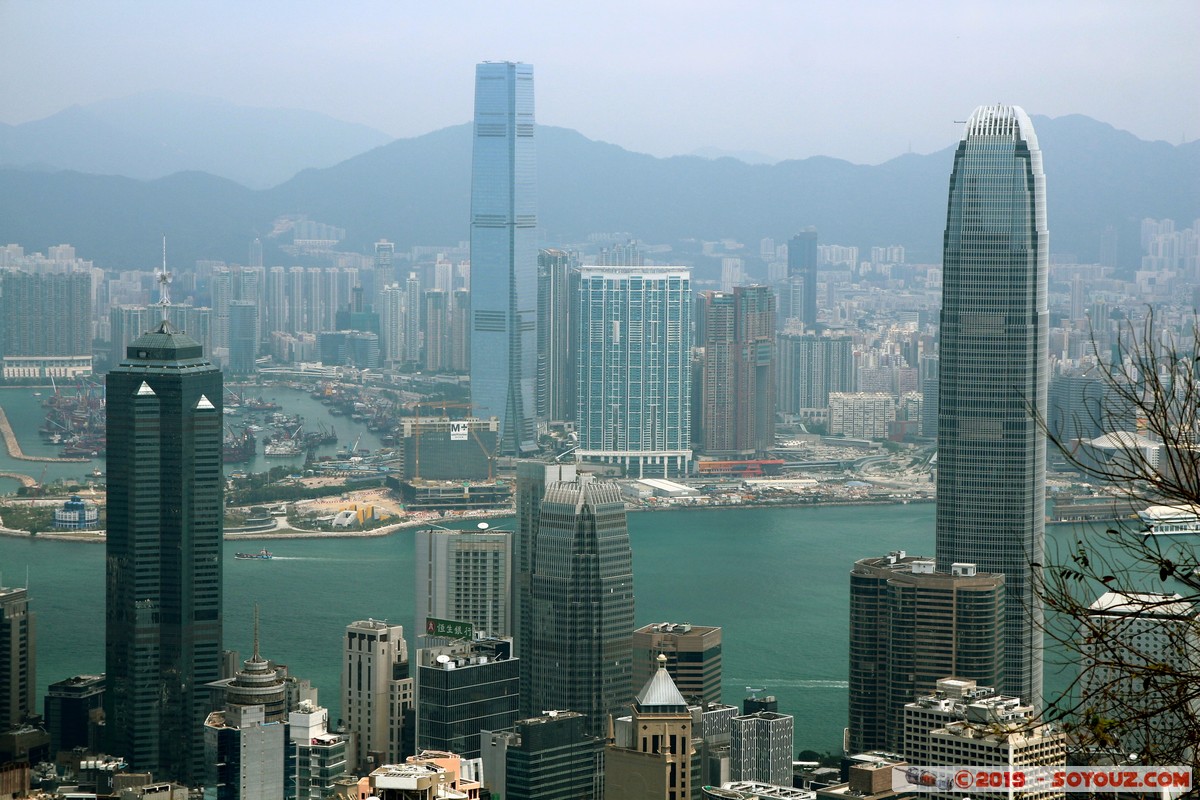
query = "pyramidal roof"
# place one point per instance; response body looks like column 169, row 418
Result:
column 660, row 694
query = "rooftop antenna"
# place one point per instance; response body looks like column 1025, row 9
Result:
column 256, row 656
column 164, row 283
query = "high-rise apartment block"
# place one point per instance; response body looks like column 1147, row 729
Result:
column 465, row 575
column 693, row 658
column 163, row 552
column 737, row 386
column 377, row 693
column 633, row 342
column 910, row 626
column 580, row 602
column 810, row 369
column 504, row 253
column 463, row 689
column 45, row 324
column 862, row 415
column 991, row 477
column 18, row 658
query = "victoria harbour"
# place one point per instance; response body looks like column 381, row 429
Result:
column 777, row 580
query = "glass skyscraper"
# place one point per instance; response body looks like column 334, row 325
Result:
column 579, row 654
column 163, row 554
column 504, row 254
column 991, row 478
column 632, row 343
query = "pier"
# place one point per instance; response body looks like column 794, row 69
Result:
column 14, row 447
column 26, row 480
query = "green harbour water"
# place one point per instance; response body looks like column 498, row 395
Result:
column 775, row 579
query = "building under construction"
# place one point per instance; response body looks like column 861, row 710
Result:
column 443, row 449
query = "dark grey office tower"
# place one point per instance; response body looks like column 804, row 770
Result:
column 463, row 689
column 555, row 376
column 911, row 626
column 18, row 658
column 163, row 603
column 991, row 479
column 802, row 263
column 532, row 479
column 74, row 711
column 581, row 603
column 549, row 757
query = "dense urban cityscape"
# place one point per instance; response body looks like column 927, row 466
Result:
column 507, row 402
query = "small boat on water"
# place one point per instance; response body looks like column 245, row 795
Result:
column 261, row 555
column 1170, row 520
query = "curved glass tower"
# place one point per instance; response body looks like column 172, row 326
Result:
column 504, row 253
column 991, row 475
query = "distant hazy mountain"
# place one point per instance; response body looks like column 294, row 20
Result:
column 417, row 191
column 748, row 156
column 157, row 134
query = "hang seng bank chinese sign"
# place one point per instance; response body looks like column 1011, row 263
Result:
column 449, row 628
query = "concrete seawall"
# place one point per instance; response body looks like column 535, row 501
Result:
column 14, row 447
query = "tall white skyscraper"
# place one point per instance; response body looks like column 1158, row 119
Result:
column 376, row 692
column 504, row 253
column 991, row 478
column 632, row 343
column 465, row 575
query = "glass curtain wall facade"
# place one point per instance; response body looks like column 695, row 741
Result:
column 991, row 478
column 504, row 254
column 555, row 381
column 163, row 553
column 579, row 655
column 633, row 342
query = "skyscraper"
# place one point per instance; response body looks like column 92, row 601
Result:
column 377, row 693
column 464, row 575
column 693, row 658
column 910, row 627
column 555, row 383
column 163, row 604
column 18, row 662
column 738, row 373
column 581, row 603
column 533, row 478
column 802, row 264
column 504, row 253
column 463, row 689
column 991, row 479
column 633, row 341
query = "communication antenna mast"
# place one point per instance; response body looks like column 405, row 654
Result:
column 164, row 283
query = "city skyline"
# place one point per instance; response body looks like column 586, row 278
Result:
column 1108, row 59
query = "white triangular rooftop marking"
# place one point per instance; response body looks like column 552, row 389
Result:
column 204, row 404
column 144, row 390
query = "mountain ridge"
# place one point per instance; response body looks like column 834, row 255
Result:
column 417, row 191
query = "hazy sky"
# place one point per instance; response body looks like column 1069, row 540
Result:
column 858, row 80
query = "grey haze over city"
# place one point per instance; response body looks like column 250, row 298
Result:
column 862, row 81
